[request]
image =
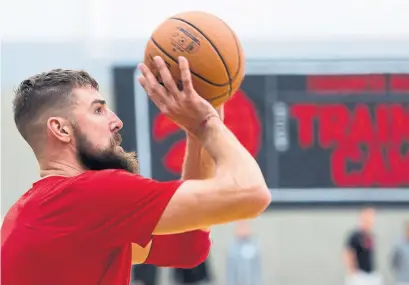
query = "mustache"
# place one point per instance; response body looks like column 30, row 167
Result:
column 116, row 140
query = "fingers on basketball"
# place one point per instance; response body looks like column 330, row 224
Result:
column 186, row 76
column 166, row 76
column 152, row 88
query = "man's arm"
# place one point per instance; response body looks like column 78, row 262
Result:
column 184, row 250
column 190, row 248
column 350, row 255
column 238, row 190
column 349, row 260
column 198, row 164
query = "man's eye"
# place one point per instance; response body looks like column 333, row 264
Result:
column 98, row 110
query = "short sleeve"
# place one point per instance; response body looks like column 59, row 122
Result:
column 352, row 241
column 115, row 207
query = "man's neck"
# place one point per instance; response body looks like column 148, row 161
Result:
column 55, row 168
column 366, row 231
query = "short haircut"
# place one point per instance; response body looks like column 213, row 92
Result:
column 46, row 93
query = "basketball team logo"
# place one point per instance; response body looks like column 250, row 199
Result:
column 241, row 118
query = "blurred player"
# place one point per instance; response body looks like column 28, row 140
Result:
column 91, row 215
column 243, row 259
column 400, row 258
column 359, row 252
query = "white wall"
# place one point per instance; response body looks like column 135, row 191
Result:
column 274, row 19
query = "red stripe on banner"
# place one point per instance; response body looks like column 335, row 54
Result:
column 338, row 84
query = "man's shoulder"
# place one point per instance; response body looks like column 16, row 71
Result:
column 354, row 234
column 56, row 188
column 56, row 180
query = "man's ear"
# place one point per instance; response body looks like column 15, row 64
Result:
column 60, row 128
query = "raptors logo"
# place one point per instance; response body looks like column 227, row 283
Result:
column 240, row 117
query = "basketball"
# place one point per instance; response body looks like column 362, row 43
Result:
column 214, row 52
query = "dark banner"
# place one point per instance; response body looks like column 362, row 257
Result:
column 346, row 145
column 318, row 131
column 342, row 131
column 244, row 114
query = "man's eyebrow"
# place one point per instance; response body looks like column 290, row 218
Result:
column 99, row 101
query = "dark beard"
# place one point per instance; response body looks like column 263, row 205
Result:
column 105, row 159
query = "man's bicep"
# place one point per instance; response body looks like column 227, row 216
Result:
column 195, row 205
column 179, row 215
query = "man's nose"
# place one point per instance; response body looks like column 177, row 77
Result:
column 116, row 123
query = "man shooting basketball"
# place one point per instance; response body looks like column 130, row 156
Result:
column 91, row 215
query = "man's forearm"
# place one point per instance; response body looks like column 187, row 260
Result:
column 349, row 258
column 197, row 163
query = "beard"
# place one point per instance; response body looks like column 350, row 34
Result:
column 111, row 158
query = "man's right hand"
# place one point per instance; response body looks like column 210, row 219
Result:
column 186, row 108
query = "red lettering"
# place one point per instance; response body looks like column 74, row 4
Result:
column 333, row 122
column 304, row 114
column 375, row 171
column 371, row 154
column 400, row 123
column 376, row 83
column 388, row 168
column 361, row 129
column 399, row 164
column 399, row 83
column 369, row 148
column 339, row 165
column 327, row 84
column 382, row 119
column 370, row 83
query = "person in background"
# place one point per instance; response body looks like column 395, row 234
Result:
column 359, row 252
column 243, row 261
column 400, row 258
column 144, row 274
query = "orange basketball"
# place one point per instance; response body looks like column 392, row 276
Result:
column 212, row 48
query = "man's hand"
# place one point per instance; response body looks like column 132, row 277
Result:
column 186, row 108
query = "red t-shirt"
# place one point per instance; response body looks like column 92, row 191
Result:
column 79, row 230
